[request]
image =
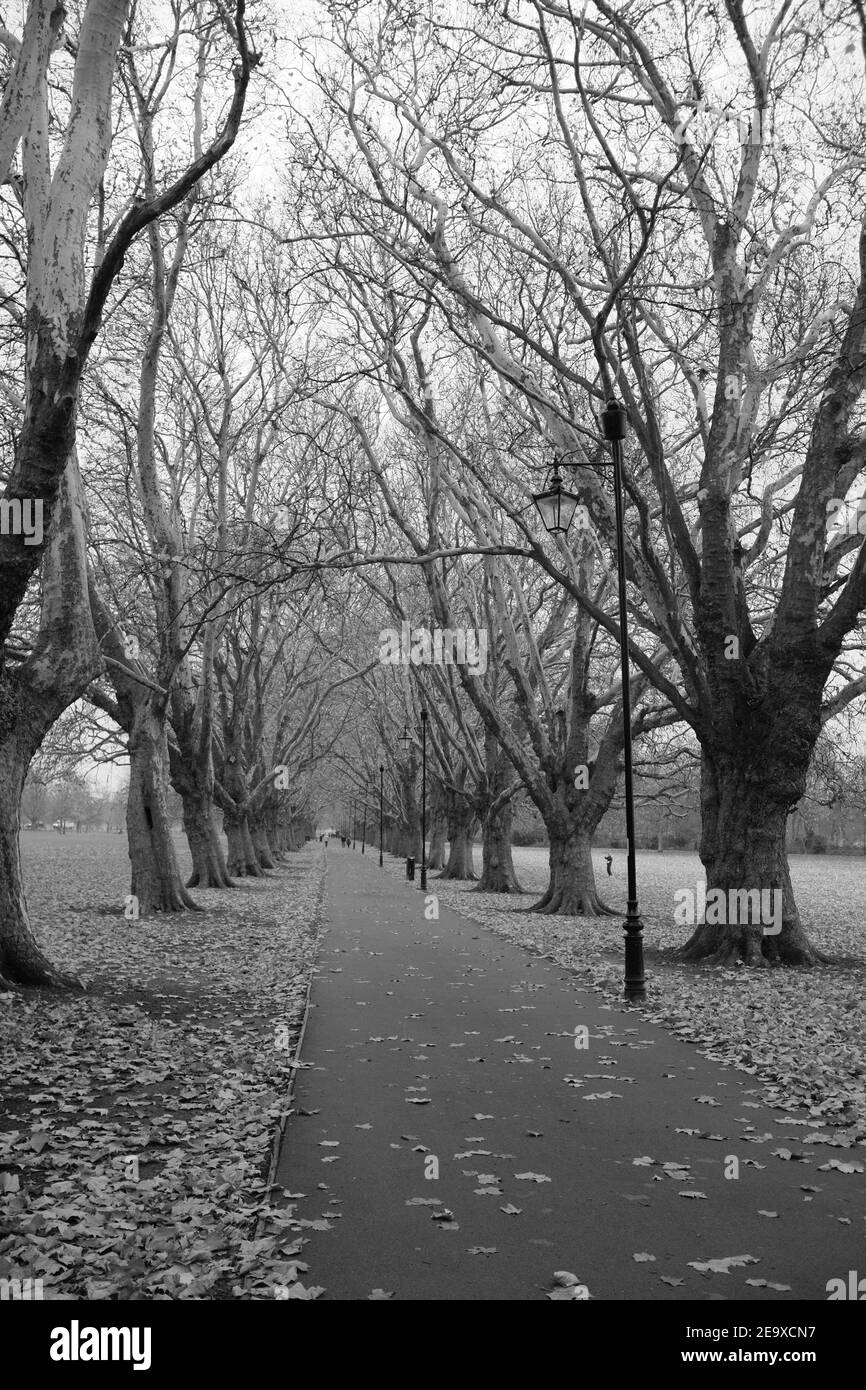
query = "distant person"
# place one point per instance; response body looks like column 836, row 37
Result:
column 608, row 859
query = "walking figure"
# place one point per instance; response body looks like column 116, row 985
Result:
column 608, row 859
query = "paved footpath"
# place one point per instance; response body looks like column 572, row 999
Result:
column 444, row 1012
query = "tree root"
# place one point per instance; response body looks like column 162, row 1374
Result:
column 42, row 975
column 565, row 903
column 239, row 870
column 176, row 900
column 209, row 880
column 721, row 947
column 500, row 886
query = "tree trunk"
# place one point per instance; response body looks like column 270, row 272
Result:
column 743, row 849
column 242, row 858
column 156, row 879
column 209, row 868
column 274, row 832
column 191, row 768
column 64, row 660
column 408, row 842
column 436, row 857
column 261, row 844
column 460, row 863
column 571, row 891
column 21, row 960
column 497, row 871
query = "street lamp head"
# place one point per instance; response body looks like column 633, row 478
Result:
column 405, row 741
column 424, row 715
column 614, row 420
column 556, row 505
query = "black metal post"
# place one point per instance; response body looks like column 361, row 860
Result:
column 423, row 800
column 381, row 819
column 614, row 423
column 406, row 744
column 364, row 831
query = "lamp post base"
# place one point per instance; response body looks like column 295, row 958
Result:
column 635, row 980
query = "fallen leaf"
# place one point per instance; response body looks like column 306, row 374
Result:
column 724, row 1265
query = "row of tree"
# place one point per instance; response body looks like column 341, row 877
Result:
column 274, row 415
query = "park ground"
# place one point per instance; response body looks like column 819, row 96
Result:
column 139, row 1117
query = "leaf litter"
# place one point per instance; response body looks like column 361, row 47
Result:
column 140, row 1113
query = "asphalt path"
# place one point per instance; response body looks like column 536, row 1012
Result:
column 437, row 1040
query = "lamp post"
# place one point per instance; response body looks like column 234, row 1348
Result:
column 423, row 800
column 406, row 744
column 556, row 507
column 381, row 818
